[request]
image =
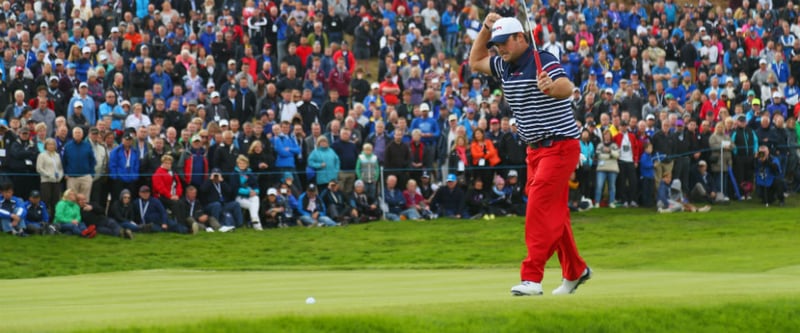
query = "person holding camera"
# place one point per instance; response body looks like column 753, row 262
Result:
column 220, row 200
column 769, row 177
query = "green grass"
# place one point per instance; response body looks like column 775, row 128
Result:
column 731, row 270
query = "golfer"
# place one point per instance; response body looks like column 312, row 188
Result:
column 541, row 106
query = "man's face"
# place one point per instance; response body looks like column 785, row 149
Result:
column 7, row 194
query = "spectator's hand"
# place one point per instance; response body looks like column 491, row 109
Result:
column 315, row 215
column 263, row 165
column 87, row 208
column 252, row 193
column 164, row 226
column 458, row 216
column 203, row 218
column 322, row 165
column 75, row 222
column 14, row 219
column 174, row 197
column 373, row 206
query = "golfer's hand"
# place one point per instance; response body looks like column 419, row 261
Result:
column 545, row 82
column 490, row 19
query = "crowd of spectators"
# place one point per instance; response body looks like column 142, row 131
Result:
column 121, row 116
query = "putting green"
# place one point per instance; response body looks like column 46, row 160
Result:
column 164, row 297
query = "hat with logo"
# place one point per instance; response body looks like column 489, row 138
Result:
column 451, row 178
column 504, row 28
column 272, row 191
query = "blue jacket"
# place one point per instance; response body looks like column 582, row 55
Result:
column 88, row 108
column 118, row 167
column 768, row 171
column 427, row 126
column 116, row 110
column 646, row 168
column 450, row 22
column 244, row 181
column 19, row 208
column 587, row 149
column 331, row 160
column 78, row 159
column 302, row 204
column 155, row 212
column 285, row 149
column 663, row 193
column 165, row 81
column 395, row 200
column 45, row 217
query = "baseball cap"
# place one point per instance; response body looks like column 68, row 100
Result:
column 125, row 102
column 3, row 123
column 312, row 188
column 609, row 91
column 777, row 94
column 512, row 121
column 231, row 62
column 272, row 191
column 224, row 122
column 451, row 178
column 679, row 122
column 741, row 117
column 71, row 66
column 762, row 62
column 650, row 117
column 702, row 162
column 512, row 173
column 634, row 72
column 216, row 171
column 211, row 85
column 494, row 121
column 215, row 94
column 358, row 183
column 609, row 75
column 78, row 104
column 504, row 28
column 425, row 174
column 756, row 101
column 669, row 96
column 196, row 138
column 751, row 93
column 35, row 194
column 83, row 85
column 424, row 107
column 86, row 49
column 54, row 78
column 415, row 58
column 144, row 188
column 452, row 117
column 375, row 85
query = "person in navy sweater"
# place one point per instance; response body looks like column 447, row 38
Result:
column 79, row 162
column 149, row 214
column 348, row 156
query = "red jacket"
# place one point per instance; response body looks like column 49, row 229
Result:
column 636, row 145
column 708, row 106
column 349, row 60
column 162, row 183
column 340, row 82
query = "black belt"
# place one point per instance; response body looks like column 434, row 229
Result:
column 547, row 143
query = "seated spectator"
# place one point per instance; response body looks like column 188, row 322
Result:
column 189, row 212
column 37, row 219
column 94, row 215
column 150, row 215
column 769, row 177
column 364, row 204
column 312, row 210
column 671, row 199
column 336, row 207
column 396, row 203
column 68, row 217
column 274, row 210
column 12, row 211
column 478, row 201
column 500, row 198
column 246, row 185
column 286, row 194
column 705, row 187
column 122, row 211
column 518, row 194
column 449, row 199
column 220, row 200
column 415, row 202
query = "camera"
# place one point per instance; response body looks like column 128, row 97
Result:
column 761, row 154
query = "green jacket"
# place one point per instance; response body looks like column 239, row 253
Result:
column 66, row 212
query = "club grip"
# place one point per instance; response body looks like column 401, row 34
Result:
column 538, row 65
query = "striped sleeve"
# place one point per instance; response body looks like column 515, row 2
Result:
column 551, row 65
column 496, row 64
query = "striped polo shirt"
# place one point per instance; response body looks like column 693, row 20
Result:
column 539, row 117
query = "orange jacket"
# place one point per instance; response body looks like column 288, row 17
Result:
column 488, row 153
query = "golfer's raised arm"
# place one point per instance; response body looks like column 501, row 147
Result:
column 479, row 55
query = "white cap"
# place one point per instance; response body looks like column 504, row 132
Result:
column 223, row 122
column 53, row 78
column 610, row 91
column 650, row 117
column 231, row 62
column 452, row 117
column 103, row 57
column 211, row 84
column 78, row 104
column 114, row 29
column 43, row 25
column 90, row 40
column 412, row 26
column 83, row 84
column 504, row 28
column 59, row 61
column 125, row 102
column 272, row 191
column 512, row 121
column 214, row 94
column 762, row 61
column 570, row 45
column 777, row 94
column 415, row 58
column 86, row 49
column 424, row 107
column 609, row 75
column 403, row 56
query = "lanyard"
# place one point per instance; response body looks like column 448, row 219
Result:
column 127, row 158
column 143, row 210
column 219, row 190
column 191, row 209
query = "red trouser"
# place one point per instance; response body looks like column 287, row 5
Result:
column 547, row 226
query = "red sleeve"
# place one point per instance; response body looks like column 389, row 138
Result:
column 160, row 183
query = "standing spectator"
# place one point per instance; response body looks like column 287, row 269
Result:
column 79, row 163
column 607, row 170
column 421, row 155
column 123, row 167
column 285, row 150
column 22, row 163
column 347, row 152
column 630, row 150
column 663, row 150
column 720, row 141
column 484, row 156
column 745, row 147
column 368, row 170
column 51, row 172
column 398, row 157
column 647, row 176
column 325, row 163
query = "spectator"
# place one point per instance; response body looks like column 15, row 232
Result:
column 12, row 211
column 347, row 153
column 22, row 163
column 630, row 150
column 325, row 163
column 484, row 156
column 769, row 178
column 37, row 219
column 94, row 216
column 79, row 163
column 365, row 205
column 607, row 169
column 246, row 185
column 150, row 215
column 68, row 217
column 189, row 211
column 312, row 210
column 671, row 199
column 123, row 166
column 220, row 200
column 477, row 201
column 336, row 206
column 167, row 186
column 721, row 151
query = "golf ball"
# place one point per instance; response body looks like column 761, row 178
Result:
column 310, row 300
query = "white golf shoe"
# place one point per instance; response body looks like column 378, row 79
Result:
column 527, row 288
column 569, row 286
column 226, row 228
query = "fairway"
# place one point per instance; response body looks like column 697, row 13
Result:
column 167, row 297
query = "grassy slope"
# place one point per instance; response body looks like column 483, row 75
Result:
column 662, row 267
column 732, row 239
